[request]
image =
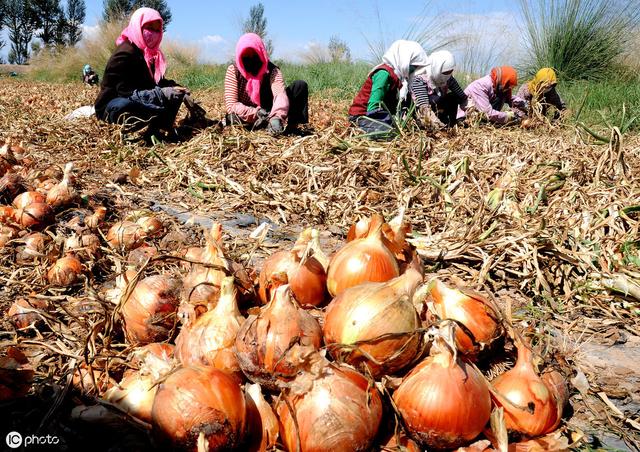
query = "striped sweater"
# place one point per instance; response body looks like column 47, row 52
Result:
column 273, row 96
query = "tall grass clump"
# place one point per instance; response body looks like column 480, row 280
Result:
column 581, row 39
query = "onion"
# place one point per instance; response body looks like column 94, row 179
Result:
column 134, row 394
column 362, row 260
column 200, row 404
column 65, row 272
column 125, row 235
column 470, row 309
column 7, row 233
column 46, row 185
column 336, row 409
column 530, row 407
column 149, row 313
column 16, row 375
column 264, row 344
column 202, row 284
column 151, row 226
column 28, row 197
column 139, row 256
column 305, row 273
column 93, row 221
column 63, row 194
column 7, row 214
column 91, row 380
column 155, row 358
column 261, row 420
column 210, row 339
column 86, row 246
column 24, row 313
column 36, row 216
column 34, row 247
column 443, row 401
column 368, row 311
column 11, row 184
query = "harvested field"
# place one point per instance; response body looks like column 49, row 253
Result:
column 542, row 220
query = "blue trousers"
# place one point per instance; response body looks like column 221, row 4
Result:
column 161, row 117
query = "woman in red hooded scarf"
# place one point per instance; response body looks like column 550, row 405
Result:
column 134, row 88
column 255, row 94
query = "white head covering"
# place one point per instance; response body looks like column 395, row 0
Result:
column 440, row 62
column 400, row 56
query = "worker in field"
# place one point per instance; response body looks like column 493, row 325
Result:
column 489, row 94
column 255, row 94
column 436, row 93
column 387, row 87
column 540, row 92
column 134, row 90
column 89, row 76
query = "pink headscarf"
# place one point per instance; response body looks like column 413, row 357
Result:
column 133, row 33
column 246, row 42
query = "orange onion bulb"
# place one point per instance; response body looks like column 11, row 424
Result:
column 261, row 420
column 63, row 194
column 337, row 409
column 475, row 312
column 93, row 221
column 368, row 311
column 444, row 402
column 210, row 339
column 361, row 260
column 530, row 406
column 28, row 197
column 65, row 272
column 305, row 273
column 264, row 342
column 134, row 394
column 7, row 214
column 150, row 225
column 149, row 313
column 200, row 405
column 36, row 216
column 125, row 235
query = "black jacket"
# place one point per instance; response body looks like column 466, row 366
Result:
column 126, row 72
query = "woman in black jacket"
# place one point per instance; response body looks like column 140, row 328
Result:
column 133, row 87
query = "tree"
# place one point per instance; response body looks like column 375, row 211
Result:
column 339, row 50
column 75, row 15
column 20, row 21
column 46, row 15
column 115, row 10
column 257, row 23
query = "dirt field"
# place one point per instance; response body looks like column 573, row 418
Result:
column 559, row 245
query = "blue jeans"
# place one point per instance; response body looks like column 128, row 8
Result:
column 159, row 117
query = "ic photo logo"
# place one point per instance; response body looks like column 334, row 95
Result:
column 14, row 440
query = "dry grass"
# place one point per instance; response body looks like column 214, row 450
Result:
column 551, row 246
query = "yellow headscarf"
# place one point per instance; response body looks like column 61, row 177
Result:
column 544, row 78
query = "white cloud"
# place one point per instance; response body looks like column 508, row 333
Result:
column 212, row 39
column 215, row 49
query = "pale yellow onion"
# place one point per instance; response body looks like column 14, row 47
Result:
column 361, row 260
column 149, row 313
column 338, row 410
column 263, row 344
column 63, row 194
column 210, row 339
column 470, row 309
column 134, row 394
column 444, row 402
column 65, row 272
column 262, row 421
column 368, row 311
column 530, row 407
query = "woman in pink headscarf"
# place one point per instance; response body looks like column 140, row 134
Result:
column 255, row 94
column 133, row 87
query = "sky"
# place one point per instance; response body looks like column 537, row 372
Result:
column 296, row 26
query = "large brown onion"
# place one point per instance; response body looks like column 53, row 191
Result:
column 361, row 260
column 63, row 194
column 65, row 272
column 473, row 311
column 210, row 339
column 28, row 197
column 200, row 402
column 336, row 410
column 36, row 216
column 150, row 312
column 264, row 342
column 444, row 402
column 125, row 235
column 368, row 311
column 530, row 406
column 305, row 273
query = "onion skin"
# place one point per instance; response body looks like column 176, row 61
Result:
column 471, row 310
column 368, row 311
column 35, row 216
column 308, row 279
column 150, row 312
column 445, row 403
column 341, row 411
column 264, row 342
column 196, row 400
column 361, row 260
column 125, row 235
column 210, row 339
column 65, row 272
column 530, row 407
column 28, row 197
